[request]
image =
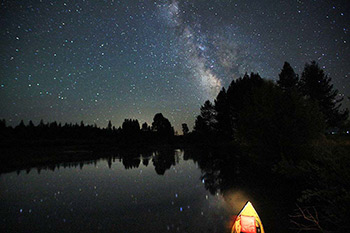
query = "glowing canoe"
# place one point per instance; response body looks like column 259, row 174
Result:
column 247, row 221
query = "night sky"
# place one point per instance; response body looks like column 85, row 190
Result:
column 109, row 60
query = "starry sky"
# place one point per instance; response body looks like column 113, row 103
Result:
column 100, row 60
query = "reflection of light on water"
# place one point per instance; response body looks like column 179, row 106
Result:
column 228, row 204
column 234, row 201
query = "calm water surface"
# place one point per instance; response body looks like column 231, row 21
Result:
column 142, row 194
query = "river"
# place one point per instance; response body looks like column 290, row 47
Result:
column 154, row 192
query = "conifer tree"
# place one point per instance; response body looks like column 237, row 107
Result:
column 31, row 124
column 288, row 80
column 223, row 117
column 206, row 121
column 185, row 129
column 316, row 85
column 109, row 126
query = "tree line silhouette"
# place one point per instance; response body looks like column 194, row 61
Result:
column 273, row 115
column 161, row 131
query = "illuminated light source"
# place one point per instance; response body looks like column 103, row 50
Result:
column 247, row 221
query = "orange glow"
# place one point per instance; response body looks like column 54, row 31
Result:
column 249, row 211
column 232, row 220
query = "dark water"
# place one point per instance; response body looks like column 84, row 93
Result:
column 153, row 193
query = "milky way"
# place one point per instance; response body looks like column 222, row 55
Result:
column 109, row 60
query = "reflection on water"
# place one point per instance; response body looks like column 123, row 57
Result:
column 161, row 160
column 159, row 191
column 149, row 192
